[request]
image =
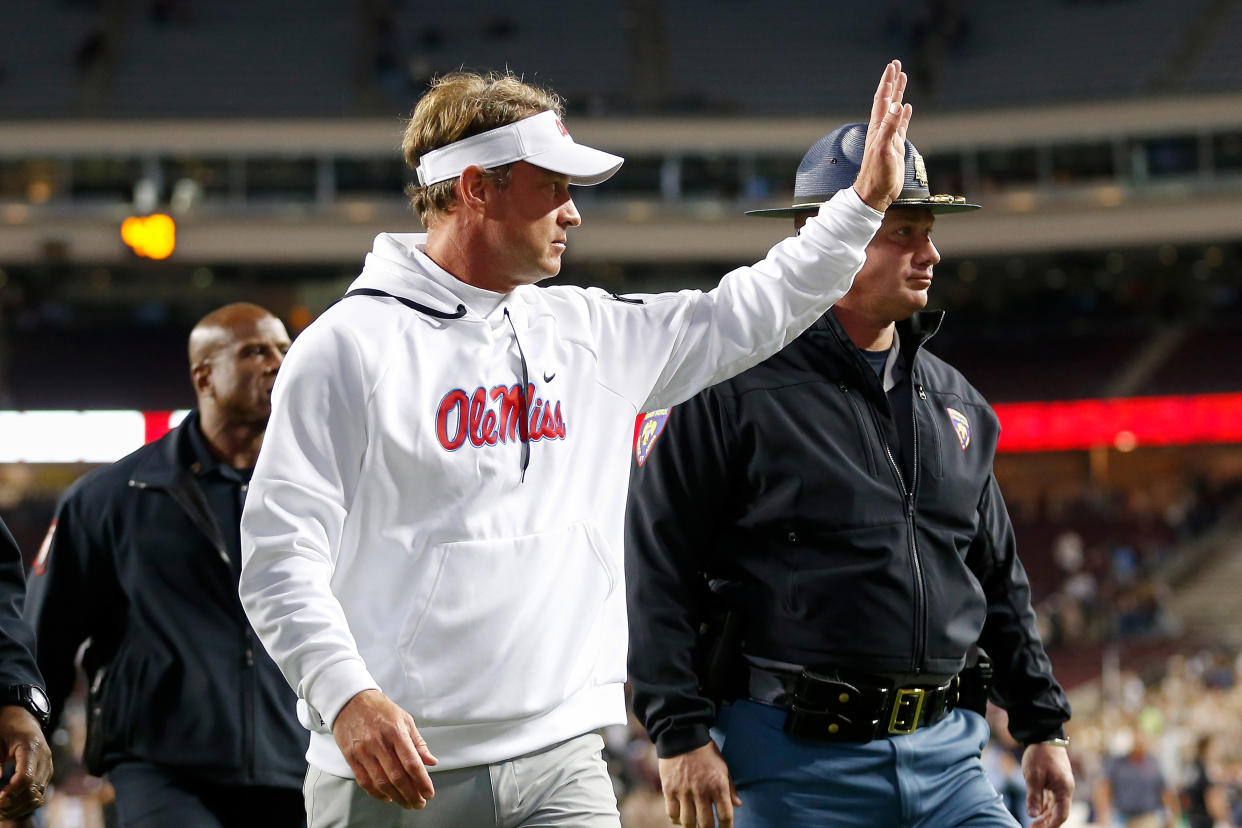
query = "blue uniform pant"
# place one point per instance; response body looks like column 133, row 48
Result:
column 928, row 779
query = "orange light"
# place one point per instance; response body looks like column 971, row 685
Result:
column 152, row 237
column 1125, row 441
column 299, row 318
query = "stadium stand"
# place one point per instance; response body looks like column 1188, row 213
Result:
column 1200, row 363
column 1218, row 69
column 1042, row 367
column 1062, row 57
column 582, row 51
column 41, row 69
column 336, row 58
column 235, row 57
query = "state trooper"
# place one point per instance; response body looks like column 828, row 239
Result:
column 830, row 518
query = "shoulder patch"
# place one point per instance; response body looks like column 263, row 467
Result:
column 45, row 549
column 648, row 430
column 961, row 426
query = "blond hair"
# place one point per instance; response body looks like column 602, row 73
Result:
column 457, row 106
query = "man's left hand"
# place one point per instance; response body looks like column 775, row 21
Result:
column 22, row 742
column 1049, row 784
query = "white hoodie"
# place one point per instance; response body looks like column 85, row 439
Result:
column 390, row 538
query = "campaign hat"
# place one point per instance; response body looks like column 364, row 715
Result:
column 832, row 164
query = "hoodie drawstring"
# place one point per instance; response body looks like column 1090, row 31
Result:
column 409, row 303
column 523, row 402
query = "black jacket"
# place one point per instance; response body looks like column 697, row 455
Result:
column 138, row 565
column 17, row 662
column 785, row 488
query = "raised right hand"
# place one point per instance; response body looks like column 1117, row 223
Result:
column 883, row 168
column 693, row 783
column 383, row 748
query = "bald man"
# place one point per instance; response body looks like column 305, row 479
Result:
column 187, row 715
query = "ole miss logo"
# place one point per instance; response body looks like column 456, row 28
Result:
column 487, row 417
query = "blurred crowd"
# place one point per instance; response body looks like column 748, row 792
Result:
column 1105, row 575
column 1178, row 730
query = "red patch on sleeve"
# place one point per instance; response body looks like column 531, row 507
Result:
column 651, row 427
column 45, row 550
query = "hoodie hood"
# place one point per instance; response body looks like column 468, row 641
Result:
column 398, row 265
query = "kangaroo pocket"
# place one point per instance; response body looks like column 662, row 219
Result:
column 513, row 626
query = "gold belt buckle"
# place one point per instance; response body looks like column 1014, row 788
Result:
column 903, row 721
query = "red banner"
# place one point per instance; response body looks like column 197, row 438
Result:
column 1124, row 424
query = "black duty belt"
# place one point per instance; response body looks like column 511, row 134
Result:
column 836, row 707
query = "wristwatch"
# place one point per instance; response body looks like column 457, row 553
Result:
column 31, row 697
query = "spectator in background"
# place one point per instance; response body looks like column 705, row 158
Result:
column 1205, row 801
column 1134, row 791
column 187, row 715
column 23, row 700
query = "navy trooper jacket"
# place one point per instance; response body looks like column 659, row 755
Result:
column 784, row 488
column 139, row 567
column 17, row 662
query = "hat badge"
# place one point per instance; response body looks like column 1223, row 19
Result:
column 920, row 169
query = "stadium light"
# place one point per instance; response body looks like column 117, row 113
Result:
column 79, row 436
column 152, row 237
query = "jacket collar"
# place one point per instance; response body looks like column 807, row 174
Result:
column 912, row 333
column 170, row 468
column 848, row 363
column 171, row 455
column 918, row 329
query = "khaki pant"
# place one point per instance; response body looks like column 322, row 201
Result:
column 564, row 785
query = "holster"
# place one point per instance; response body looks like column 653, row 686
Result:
column 718, row 658
column 93, row 750
column 974, row 685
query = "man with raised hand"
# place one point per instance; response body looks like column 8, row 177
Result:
column 433, row 533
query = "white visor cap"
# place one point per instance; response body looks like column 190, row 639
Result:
column 541, row 140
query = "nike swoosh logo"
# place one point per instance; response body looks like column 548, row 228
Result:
column 549, row 377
